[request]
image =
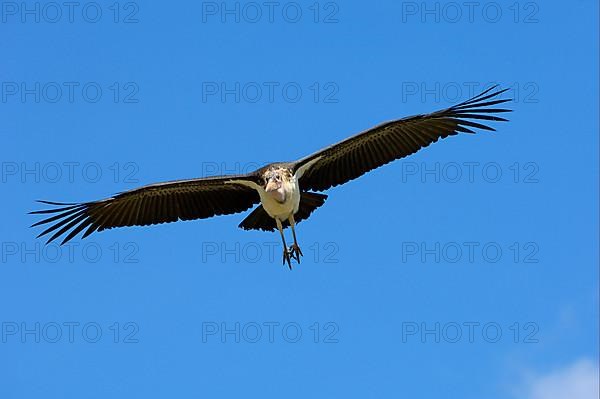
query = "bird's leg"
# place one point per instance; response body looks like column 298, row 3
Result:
column 286, row 253
column 294, row 249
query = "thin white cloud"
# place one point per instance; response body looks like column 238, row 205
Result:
column 579, row 380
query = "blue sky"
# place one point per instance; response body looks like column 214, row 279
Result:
column 467, row 270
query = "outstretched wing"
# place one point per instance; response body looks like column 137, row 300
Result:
column 355, row 156
column 152, row 204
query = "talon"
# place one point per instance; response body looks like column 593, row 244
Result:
column 296, row 252
column 292, row 252
column 286, row 258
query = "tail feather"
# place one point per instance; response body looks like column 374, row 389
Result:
column 259, row 219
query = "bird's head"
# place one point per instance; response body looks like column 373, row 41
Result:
column 274, row 185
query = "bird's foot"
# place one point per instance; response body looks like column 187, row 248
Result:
column 287, row 256
column 295, row 252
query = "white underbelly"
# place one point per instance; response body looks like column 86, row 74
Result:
column 275, row 209
column 283, row 210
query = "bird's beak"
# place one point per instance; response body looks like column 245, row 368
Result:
column 275, row 190
column 272, row 186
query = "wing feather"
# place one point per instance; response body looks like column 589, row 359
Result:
column 148, row 205
column 357, row 155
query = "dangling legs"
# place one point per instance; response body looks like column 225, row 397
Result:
column 294, row 249
column 286, row 253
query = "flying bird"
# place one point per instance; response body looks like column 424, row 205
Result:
column 287, row 192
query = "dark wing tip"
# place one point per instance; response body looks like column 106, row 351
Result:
column 478, row 108
column 56, row 203
column 479, row 100
column 62, row 217
column 63, row 207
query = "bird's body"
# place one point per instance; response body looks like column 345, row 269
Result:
column 285, row 191
column 291, row 201
column 284, row 201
